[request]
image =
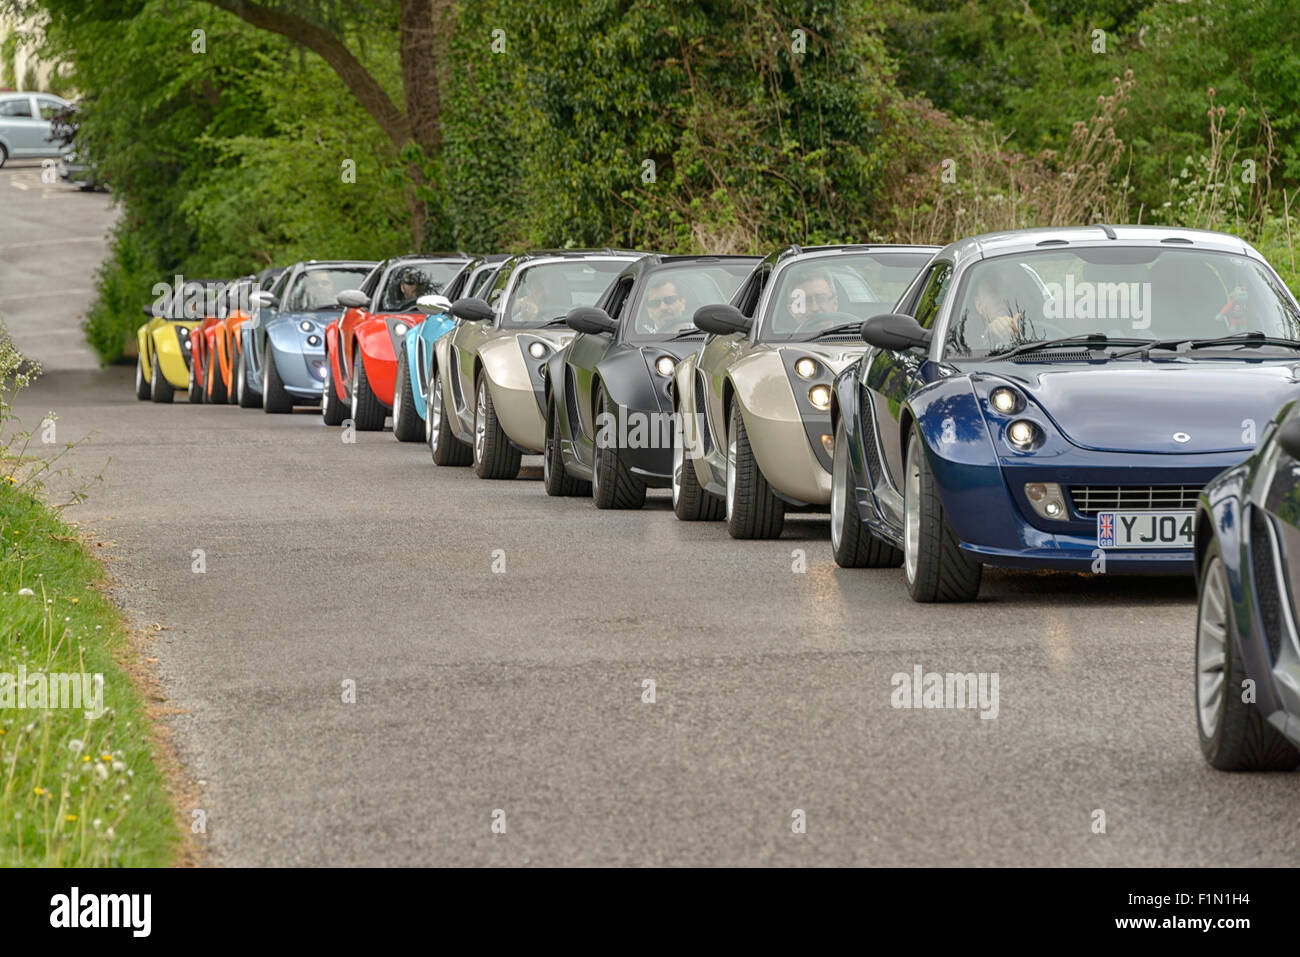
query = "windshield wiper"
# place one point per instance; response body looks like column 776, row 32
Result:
column 1237, row 338
column 686, row 333
column 1090, row 340
column 557, row 321
column 836, row 330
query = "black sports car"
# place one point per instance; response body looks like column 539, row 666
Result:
column 1247, row 644
column 609, row 429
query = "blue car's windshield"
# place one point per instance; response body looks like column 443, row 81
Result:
column 822, row 292
column 670, row 297
column 318, row 289
column 1135, row 292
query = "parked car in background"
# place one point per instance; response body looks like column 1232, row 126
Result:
column 609, row 424
column 284, row 343
column 362, row 345
column 1057, row 399
column 756, row 400
column 25, row 131
column 485, row 391
column 1248, row 576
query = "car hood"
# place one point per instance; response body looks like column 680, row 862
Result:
column 322, row 319
column 1215, row 406
column 837, row 355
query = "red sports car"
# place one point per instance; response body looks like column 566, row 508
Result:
column 361, row 346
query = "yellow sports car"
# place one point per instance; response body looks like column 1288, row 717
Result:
column 163, row 364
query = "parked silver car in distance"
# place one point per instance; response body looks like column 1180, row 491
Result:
column 25, row 126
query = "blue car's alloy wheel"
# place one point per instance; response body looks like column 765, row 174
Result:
column 936, row 568
column 1234, row 734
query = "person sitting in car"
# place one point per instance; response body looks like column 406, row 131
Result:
column 665, row 307
column 812, row 297
column 410, row 287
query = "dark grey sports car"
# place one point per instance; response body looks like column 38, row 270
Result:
column 1247, row 643
column 609, row 429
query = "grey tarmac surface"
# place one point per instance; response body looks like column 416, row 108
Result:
column 522, row 691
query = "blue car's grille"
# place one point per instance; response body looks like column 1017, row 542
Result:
column 1263, row 570
column 1091, row 499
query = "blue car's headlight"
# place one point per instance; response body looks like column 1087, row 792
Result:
column 1006, row 400
column 1023, row 435
column 306, row 326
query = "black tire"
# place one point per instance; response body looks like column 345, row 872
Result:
column 332, row 409
column 247, row 398
column 160, row 390
column 942, row 571
column 368, row 413
column 494, row 456
column 141, row 383
column 691, row 503
column 4, row 156
column 407, row 426
column 275, row 398
column 194, row 391
column 752, row 508
column 613, row 484
column 1241, row 740
column 216, row 389
column 443, row 444
column 555, row 476
column 852, row 543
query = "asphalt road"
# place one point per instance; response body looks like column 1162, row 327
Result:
column 521, row 691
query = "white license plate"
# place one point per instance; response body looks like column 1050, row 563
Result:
column 1146, row 529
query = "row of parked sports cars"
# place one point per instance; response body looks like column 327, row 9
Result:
column 1095, row 399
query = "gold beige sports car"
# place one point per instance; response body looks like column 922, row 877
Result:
column 486, row 397
column 754, row 403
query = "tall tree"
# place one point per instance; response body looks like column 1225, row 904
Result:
column 423, row 30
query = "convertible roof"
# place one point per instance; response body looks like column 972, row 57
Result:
column 1101, row 234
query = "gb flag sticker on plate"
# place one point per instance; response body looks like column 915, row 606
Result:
column 1146, row 529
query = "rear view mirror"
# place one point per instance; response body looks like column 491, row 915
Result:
column 353, row 299
column 149, row 312
column 591, row 320
column 264, row 298
column 721, row 319
column 433, row 305
column 1288, row 436
column 895, row 331
column 472, row 309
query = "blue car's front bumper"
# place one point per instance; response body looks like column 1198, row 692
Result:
column 993, row 520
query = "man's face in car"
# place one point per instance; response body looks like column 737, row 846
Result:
column 811, row 298
column 665, row 306
column 319, row 288
column 410, row 289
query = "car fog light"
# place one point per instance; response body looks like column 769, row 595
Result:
column 828, row 443
column 536, row 350
column 820, row 397
column 1005, row 400
column 1022, row 434
column 665, row 365
column 806, row 367
column 313, row 340
column 1047, row 500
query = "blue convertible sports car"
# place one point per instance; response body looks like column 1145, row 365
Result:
column 410, row 409
column 284, row 342
column 1056, row 398
column 1247, row 643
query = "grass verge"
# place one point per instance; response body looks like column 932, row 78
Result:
column 74, row 791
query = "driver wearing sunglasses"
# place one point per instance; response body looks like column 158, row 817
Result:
column 666, row 307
